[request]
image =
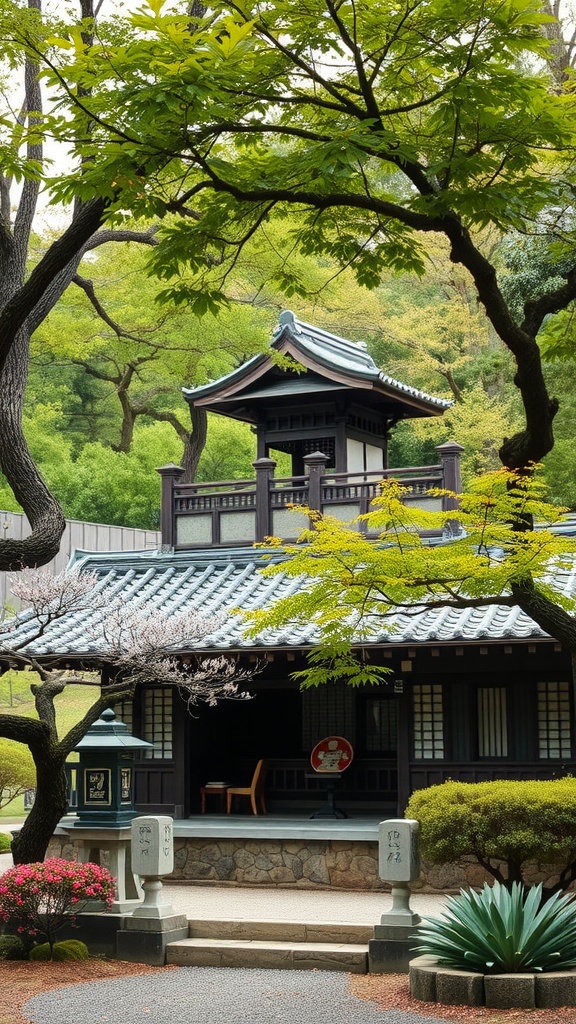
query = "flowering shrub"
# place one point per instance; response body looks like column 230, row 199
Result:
column 42, row 897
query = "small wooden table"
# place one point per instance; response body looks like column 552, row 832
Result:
column 213, row 789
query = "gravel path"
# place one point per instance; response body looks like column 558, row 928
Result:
column 207, row 995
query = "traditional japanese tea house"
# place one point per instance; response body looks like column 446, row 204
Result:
column 473, row 694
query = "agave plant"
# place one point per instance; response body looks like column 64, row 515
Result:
column 497, row 931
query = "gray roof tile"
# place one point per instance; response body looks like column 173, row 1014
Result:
column 219, row 581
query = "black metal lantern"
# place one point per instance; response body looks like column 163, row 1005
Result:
column 106, row 774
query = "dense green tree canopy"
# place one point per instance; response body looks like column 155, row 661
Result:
column 374, row 127
column 379, row 124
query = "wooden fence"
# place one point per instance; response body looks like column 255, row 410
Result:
column 84, row 536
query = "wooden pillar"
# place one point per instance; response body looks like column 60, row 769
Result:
column 182, row 768
column 341, row 444
column 403, row 755
column 170, row 474
column 316, row 466
column 450, row 458
column 264, row 474
column 261, row 446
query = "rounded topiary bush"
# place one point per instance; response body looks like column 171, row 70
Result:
column 68, row 949
column 5, row 842
column 12, row 948
column 41, row 952
column 504, row 822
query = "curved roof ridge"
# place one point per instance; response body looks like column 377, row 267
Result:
column 343, row 359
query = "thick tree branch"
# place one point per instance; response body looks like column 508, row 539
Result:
column 23, row 730
column 64, row 249
column 549, row 615
column 110, row 696
column 317, row 201
column 535, row 310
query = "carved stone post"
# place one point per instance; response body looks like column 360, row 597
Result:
column 399, row 863
column 153, row 924
column 264, row 474
column 169, row 474
column 316, row 465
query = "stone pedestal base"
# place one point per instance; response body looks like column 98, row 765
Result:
column 389, row 952
column 144, row 940
column 115, row 843
column 97, row 930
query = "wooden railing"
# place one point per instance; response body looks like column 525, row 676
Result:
column 424, row 774
column 235, row 512
column 367, row 779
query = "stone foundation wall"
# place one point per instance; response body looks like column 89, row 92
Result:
column 467, row 873
column 305, row 864
column 297, row 862
column 301, row 863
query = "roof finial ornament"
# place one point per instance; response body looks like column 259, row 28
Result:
column 287, row 317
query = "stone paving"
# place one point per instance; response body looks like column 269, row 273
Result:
column 263, row 904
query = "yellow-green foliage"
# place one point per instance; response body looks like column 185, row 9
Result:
column 348, row 586
column 41, row 952
column 509, row 821
column 68, row 949
column 17, row 771
column 5, row 842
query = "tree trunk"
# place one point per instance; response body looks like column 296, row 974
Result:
column 194, row 444
column 193, row 441
column 128, row 420
column 42, row 509
column 50, row 804
column 550, row 616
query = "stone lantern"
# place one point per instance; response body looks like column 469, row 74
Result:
column 106, row 773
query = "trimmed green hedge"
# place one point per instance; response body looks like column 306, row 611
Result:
column 12, row 948
column 513, row 822
column 5, row 842
column 68, row 949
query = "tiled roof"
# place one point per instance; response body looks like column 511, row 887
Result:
column 218, row 581
column 350, row 356
column 326, row 350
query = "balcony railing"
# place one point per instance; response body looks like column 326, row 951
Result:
column 234, row 512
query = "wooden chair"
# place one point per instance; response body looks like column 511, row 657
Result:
column 255, row 790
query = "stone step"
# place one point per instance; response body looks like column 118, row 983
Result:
column 262, row 953
column 282, row 931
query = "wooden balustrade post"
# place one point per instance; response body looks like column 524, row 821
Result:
column 170, row 474
column 450, row 458
column 264, row 474
column 316, row 466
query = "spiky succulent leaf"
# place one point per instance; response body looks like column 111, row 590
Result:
column 501, row 931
